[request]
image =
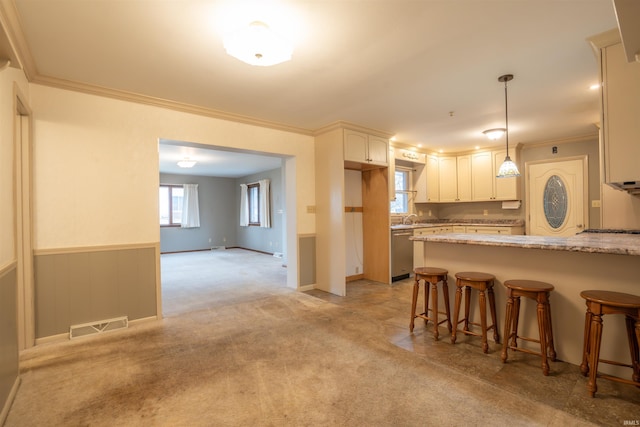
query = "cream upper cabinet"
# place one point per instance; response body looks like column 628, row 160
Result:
column 463, row 172
column 363, row 148
column 621, row 124
column 448, row 179
column 433, row 178
column 504, row 188
column 485, row 185
column 483, row 176
column 454, row 175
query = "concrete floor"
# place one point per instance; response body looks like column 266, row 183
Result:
column 236, row 348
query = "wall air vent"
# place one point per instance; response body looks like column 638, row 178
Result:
column 98, row 327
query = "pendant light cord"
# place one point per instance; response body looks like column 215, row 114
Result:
column 506, row 115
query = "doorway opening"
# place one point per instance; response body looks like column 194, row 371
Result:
column 202, row 265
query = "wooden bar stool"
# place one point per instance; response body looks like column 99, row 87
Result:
column 598, row 304
column 537, row 291
column 482, row 282
column 430, row 275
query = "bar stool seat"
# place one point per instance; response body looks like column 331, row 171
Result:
column 537, row 291
column 431, row 276
column 600, row 303
column 482, row 282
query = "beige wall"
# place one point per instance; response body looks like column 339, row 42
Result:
column 96, row 165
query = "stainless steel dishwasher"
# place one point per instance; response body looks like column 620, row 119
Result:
column 401, row 254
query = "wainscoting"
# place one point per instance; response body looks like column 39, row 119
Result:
column 307, row 259
column 81, row 285
column 8, row 338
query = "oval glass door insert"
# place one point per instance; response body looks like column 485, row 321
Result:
column 555, row 202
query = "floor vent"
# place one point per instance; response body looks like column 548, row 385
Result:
column 99, row 327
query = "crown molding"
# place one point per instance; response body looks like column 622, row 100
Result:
column 164, row 103
column 341, row 124
column 10, row 21
column 570, row 140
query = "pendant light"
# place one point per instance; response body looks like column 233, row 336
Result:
column 508, row 169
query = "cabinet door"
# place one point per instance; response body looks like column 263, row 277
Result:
column 448, row 179
column 483, row 176
column 504, row 188
column 433, row 180
column 463, row 168
column 355, row 146
column 621, row 132
column 377, row 150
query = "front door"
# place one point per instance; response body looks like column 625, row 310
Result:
column 556, row 197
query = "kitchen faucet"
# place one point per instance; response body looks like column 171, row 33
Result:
column 404, row 220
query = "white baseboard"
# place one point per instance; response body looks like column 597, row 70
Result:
column 306, row 288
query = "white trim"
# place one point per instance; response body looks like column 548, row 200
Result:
column 306, row 288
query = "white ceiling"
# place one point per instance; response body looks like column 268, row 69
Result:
column 423, row 70
column 219, row 163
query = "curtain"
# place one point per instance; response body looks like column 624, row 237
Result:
column 265, row 205
column 190, row 208
column 244, row 206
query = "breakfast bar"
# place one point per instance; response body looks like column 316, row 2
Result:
column 594, row 259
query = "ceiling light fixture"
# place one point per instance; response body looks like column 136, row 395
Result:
column 494, row 134
column 508, row 169
column 257, row 44
column 186, row 163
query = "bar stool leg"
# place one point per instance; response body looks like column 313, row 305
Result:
column 552, row 350
column 483, row 320
column 434, row 310
column 586, row 347
column 633, row 346
column 445, row 290
column 467, row 303
column 414, row 300
column 492, row 308
column 594, row 352
column 456, row 311
column 542, row 328
column 426, row 301
column 516, row 318
column 507, row 325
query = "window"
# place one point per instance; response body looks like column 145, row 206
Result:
column 403, row 190
column 171, row 205
column 253, row 198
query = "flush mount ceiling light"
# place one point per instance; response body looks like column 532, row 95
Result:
column 186, row 163
column 494, row 134
column 257, row 44
column 508, row 169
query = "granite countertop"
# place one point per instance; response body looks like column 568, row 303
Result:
column 604, row 243
column 451, row 222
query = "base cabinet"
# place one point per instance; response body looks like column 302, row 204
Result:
column 493, row 230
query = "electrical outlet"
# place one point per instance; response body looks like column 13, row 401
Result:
column 485, row 212
column 209, row 239
column 357, row 270
column 595, row 204
column 224, row 239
